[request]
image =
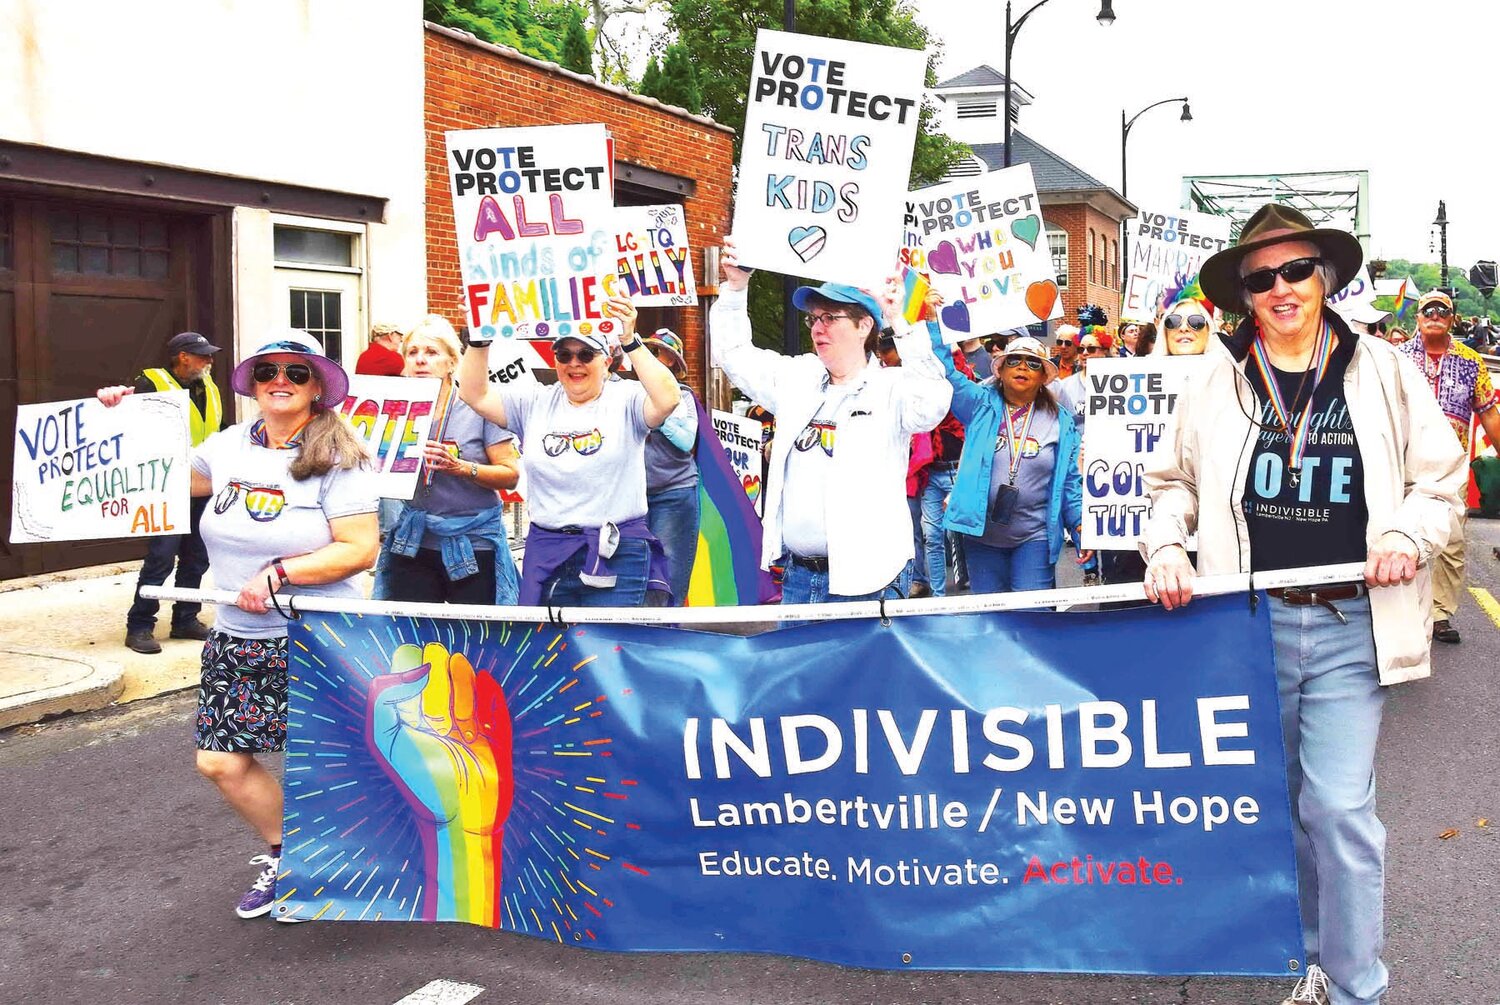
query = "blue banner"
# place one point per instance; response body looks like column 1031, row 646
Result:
column 1013, row 791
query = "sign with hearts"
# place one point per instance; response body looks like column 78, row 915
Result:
column 1159, row 248
column 829, row 131
column 742, row 440
column 983, row 243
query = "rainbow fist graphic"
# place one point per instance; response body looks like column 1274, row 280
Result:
column 442, row 734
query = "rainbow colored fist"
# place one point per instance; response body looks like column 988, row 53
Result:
column 442, row 734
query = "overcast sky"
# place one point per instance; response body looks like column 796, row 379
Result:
column 1275, row 86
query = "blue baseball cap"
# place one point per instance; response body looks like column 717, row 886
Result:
column 843, row 294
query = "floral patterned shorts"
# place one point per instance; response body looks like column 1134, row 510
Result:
column 242, row 695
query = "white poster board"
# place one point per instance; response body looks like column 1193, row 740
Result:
column 1161, row 246
column 1131, row 405
column 393, row 417
column 1361, row 290
column 984, row 247
column 84, row 472
column 829, row 130
column 649, row 259
column 533, row 211
column 741, row 438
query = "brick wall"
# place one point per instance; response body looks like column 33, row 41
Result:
column 473, row 85
column 1078, row 219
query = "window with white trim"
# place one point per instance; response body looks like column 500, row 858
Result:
column 1057, row 246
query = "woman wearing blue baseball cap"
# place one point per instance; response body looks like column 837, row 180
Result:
column 835, row 510
column 584, row 441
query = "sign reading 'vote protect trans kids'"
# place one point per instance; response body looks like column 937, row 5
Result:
column 829, row 131
column 1059, row 792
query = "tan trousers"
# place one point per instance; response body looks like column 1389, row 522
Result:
column 1448, row 574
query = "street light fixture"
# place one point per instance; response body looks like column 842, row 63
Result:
column 1441, row 223
column 1187, row 116
column 1106, row 16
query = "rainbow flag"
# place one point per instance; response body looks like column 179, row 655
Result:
column 726, row 570
column 1401, row 303
column 917, row 285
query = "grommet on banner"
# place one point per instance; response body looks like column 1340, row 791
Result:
column 1293, row 965
column 906, row 957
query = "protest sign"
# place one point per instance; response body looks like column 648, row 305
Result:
column 829, row 130
column 983, row 245
column 1361, row 290
column 741, row 438
column 1131, row 405
column 631, row 788
column 649, row 260
column 1160, row 247
column 392, row 416
column 83, row 471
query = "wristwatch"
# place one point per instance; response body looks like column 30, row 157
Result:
column 466, row 336
column 473, row 470
column 634, row 344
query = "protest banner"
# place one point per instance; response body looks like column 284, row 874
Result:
column 1090, row 785
column 1131, row 405
column 83, row 471
column 1160, row 247
column 829, row 130
column 392, row 416
column 532, row 208
column 983, row 244
column 741, row 438
column 649, row 259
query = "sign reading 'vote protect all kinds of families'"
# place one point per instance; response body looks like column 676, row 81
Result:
column 1132, row 405
column 392, row 417
column 829, row 131
column 1162, row 246
column 83, row 471
column 983, row 243
column 1074, row 792
column 649, row 260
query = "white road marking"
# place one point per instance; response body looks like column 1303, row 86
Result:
column 442, row 993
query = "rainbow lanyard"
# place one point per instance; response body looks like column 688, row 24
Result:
column 261, row 438
column 1017, row 443
column 1322, row 355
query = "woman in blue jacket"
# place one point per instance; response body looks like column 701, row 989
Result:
column 1018, row 484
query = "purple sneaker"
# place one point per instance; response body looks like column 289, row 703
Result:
column 262, row 893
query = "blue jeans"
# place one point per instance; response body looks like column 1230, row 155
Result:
column 1009, row 570
column 191, row 556
column 631, row 564
column 919, row 564
column 804, row 586
column 673, row 518
column 933, row 541
column 1331, row 705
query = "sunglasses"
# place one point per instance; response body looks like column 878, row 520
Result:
column 1029, row 362
column 827, row 318
column 1197, row 322
column 1092, row 350
column 297, row 373
column 584, row 355
column 1436, row 311
column 1294, row 271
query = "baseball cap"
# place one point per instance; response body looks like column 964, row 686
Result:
column 839, row 293
column 191, row 342
column 1435, row 297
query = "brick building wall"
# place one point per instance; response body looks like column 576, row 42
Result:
column 1081, row 221
column 472, row 85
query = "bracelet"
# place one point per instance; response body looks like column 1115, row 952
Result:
column 473, row 471
column 280, row 571
column 633, row 344
column 466, row 336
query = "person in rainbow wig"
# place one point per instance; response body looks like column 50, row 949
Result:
column 1186, row 319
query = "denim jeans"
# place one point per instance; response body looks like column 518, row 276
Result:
column 673, row 518
column 804, row 586
column 1331, row 705
column 192, row 562
column 1009, row 570
column 919, row 564
column 934, row 540
column 631, row 565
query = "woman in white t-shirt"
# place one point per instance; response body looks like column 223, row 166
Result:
column 584, row 442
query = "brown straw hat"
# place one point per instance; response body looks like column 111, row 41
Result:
column 1272, row 224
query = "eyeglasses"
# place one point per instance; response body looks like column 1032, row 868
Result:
column 1093, row 350
column 297, row 373
column 1029, row 362
column 584, row 355
column 1197, row 322
column 1437, row 311
column 826, row 318
column 1294, row 271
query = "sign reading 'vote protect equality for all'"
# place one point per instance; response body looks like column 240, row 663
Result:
column 1162, row 246
column 1074, row 792
column 83, row 471
column 392, row 417
column 983, row 243
column 649, row 260
column 829, row 131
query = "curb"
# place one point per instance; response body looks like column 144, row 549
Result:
column 65, row 683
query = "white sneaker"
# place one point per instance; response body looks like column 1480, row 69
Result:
column 1312, row 989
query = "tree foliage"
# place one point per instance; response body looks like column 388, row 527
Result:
column 678, row 84
column 534, row 27
column 576, row 54
column 1426, row 276
column 650, row 84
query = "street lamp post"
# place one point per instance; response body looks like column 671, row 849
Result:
column 1106, row 16
column 1441, row 223
column 1125, row 124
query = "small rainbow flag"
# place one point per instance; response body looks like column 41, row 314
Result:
column 917, row 285
column 726, row 570
column 1401, row 303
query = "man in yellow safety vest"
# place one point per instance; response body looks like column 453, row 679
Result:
column 190, row 359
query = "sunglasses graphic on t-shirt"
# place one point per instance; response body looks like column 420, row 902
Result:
column 264, row 503
column 817, row 433
column 555, row 444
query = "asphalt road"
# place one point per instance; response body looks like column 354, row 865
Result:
column 119, row 869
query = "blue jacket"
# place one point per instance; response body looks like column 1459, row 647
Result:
column 460, row 560
column 978, row 407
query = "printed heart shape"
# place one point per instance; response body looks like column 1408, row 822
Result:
column 1028, row 229
column 956, row 317
column 752, row 486
column 1040, row 298
column 807, row 242
column 944, row 259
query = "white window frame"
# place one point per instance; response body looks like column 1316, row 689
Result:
column 1052, row 249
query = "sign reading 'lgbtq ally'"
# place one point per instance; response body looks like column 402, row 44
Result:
column 983, row 243
column 829, row 131
column 649, row 258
